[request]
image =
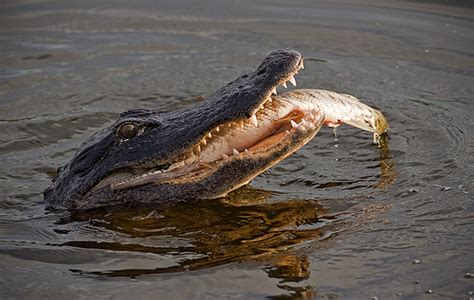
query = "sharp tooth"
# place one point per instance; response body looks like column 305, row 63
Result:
column 294, row 124
column 242, row 124
column 224, row 156
column 274, row 91
column 284, row 85
column 269, row 100
column 261, row 106
column 292, row 80
column 304, row 122
column 287, row 131
column 246, row 150
column 198, row 148
column 235, row 151
column 311, row 115
column 301, row 129
column 254, row 120
column 209, row 135
column 302, row 65
column 217, row 129
column 204, row 142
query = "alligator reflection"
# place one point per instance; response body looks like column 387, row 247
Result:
column 234, row 229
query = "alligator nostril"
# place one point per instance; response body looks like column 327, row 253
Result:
column 245, row 76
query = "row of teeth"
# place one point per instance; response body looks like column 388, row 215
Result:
column 294, row 125
column 301, row 125
column 241, row 124
column 253, row 119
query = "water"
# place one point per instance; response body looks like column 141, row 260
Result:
column 339, row 219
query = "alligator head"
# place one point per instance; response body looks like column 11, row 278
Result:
column 203, row 151
column 208, row 149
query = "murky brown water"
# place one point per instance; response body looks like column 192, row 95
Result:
column 339, row 219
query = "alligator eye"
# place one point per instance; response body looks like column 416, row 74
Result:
column 127, row 131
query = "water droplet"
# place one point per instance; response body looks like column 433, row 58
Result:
column 416, row 261
column 428, row 291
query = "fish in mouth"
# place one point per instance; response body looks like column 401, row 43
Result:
column 208, row 149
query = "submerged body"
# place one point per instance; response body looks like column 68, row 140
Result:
column 209, row 149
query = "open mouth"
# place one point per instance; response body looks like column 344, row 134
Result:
column 273, row 122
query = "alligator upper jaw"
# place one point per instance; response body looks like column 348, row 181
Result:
column 290, row 131
column 272, row 122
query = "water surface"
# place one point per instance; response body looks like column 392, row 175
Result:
column 338, row 219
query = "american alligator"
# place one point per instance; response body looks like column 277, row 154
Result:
column 208, row 149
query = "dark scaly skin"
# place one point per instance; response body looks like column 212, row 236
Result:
column 164, row 137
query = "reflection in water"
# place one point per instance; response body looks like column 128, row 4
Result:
column 387, row 165
column 217, row 232
column 292, row 268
